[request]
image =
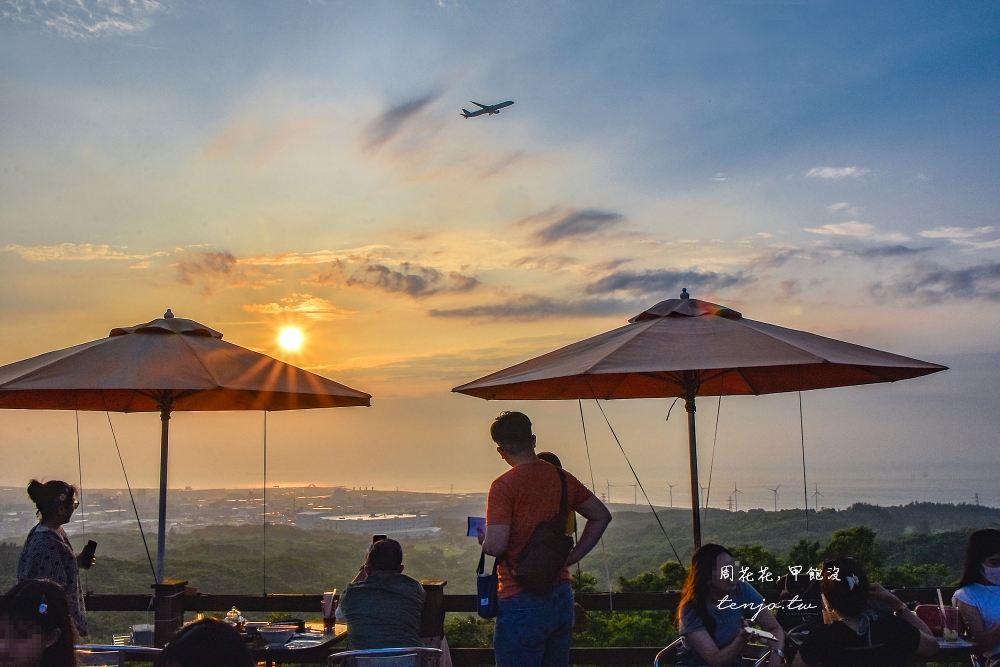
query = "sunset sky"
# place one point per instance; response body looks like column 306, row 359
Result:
column 823, row 166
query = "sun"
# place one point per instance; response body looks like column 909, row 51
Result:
column 291, row 338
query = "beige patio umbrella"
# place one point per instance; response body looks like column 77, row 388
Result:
column 166, row 365
column 687, row 348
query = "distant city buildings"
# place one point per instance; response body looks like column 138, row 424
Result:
column 393, row 525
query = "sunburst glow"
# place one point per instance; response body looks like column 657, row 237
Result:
column 291, row 338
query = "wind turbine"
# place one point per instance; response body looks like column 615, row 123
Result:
column 775, row 491
column 736, row 499
column 816, row 496
column 672, row 493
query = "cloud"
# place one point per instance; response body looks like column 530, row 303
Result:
column 882, row 251
column 578, row 224
column 850, row 228
column 840, row 206
column 530, row 307
column 392, row 121
column 312, row 307
column 963, row 236
column 73, row 252
column 362, row 253
column 836, row 173
column 953, row 233
column 664, row 281
column 856, row 229
column 410, row 279
column 929, row 282
column 83, row 18
column 211, row 267
column 720, row 177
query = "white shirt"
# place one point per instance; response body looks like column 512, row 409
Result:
column 986, row 599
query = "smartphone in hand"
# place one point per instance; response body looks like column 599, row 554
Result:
column 87, row 555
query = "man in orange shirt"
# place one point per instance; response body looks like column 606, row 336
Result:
column 533, row 630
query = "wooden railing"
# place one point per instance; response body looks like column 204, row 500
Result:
column 172, row 599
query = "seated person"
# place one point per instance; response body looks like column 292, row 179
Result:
column 206, row 643
column 978, row 594
column 382, row 606
column 859, row 636
column 714, row 611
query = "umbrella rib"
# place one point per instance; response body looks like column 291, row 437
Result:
column 753, row 389
column 201, row 363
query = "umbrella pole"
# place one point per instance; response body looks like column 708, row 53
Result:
column 695, row 488
column 161, row 532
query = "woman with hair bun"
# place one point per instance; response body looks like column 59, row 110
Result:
column 35, row 626
column 47, row 552
column 857, row 635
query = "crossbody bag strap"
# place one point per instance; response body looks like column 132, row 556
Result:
column 564, row 497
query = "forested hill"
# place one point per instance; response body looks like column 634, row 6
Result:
column 227, row 559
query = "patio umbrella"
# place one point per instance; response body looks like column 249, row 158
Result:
column 162, row 366
column 687, row 348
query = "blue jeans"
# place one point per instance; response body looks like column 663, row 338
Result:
column 535, row 630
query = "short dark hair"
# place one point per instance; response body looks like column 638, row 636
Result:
column 206, row 643
column 848, row 593
column 512, row 431
column 385, row 556
column 40, row 606
column 981, row 545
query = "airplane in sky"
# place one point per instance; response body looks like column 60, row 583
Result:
column 489, row 110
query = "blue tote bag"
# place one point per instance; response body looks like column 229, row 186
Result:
column 486, row 587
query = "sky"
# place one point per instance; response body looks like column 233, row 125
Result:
column 827, row 166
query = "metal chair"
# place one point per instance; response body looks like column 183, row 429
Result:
column 385, row 657
column 669, row 651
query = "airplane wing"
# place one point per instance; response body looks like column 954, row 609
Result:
column 481, row 106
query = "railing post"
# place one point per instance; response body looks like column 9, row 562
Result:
column 432, row 620
column 168, row 610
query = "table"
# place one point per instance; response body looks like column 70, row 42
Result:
column 308, row 648
column 953, row 650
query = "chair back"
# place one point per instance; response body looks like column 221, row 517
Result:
column 385, row 657
column 668, row 655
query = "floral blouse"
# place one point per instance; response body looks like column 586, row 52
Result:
column 48, row 554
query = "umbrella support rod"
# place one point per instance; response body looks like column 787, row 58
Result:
column 161, row 531
column 689, row 405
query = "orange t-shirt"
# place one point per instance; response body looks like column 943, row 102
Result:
column 522, row 498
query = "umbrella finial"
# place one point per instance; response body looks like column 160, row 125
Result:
column 168, row 315
column 684, row 293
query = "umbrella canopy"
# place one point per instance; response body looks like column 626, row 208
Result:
column 168, row 364
column 687, row 348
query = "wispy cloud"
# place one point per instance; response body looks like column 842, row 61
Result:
column 407, row 278
column 851, row 228
column 209, row 268
column 73, row 252
column 856, row 229
column 840, row 206
column 391, row 122
column 964, row 236
column 578, row 224
column 928, row 282
column 530, row 307
column 84, row 18
column 664, row 281
column 953, row 233
column 307, row 305
column 836, row 173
